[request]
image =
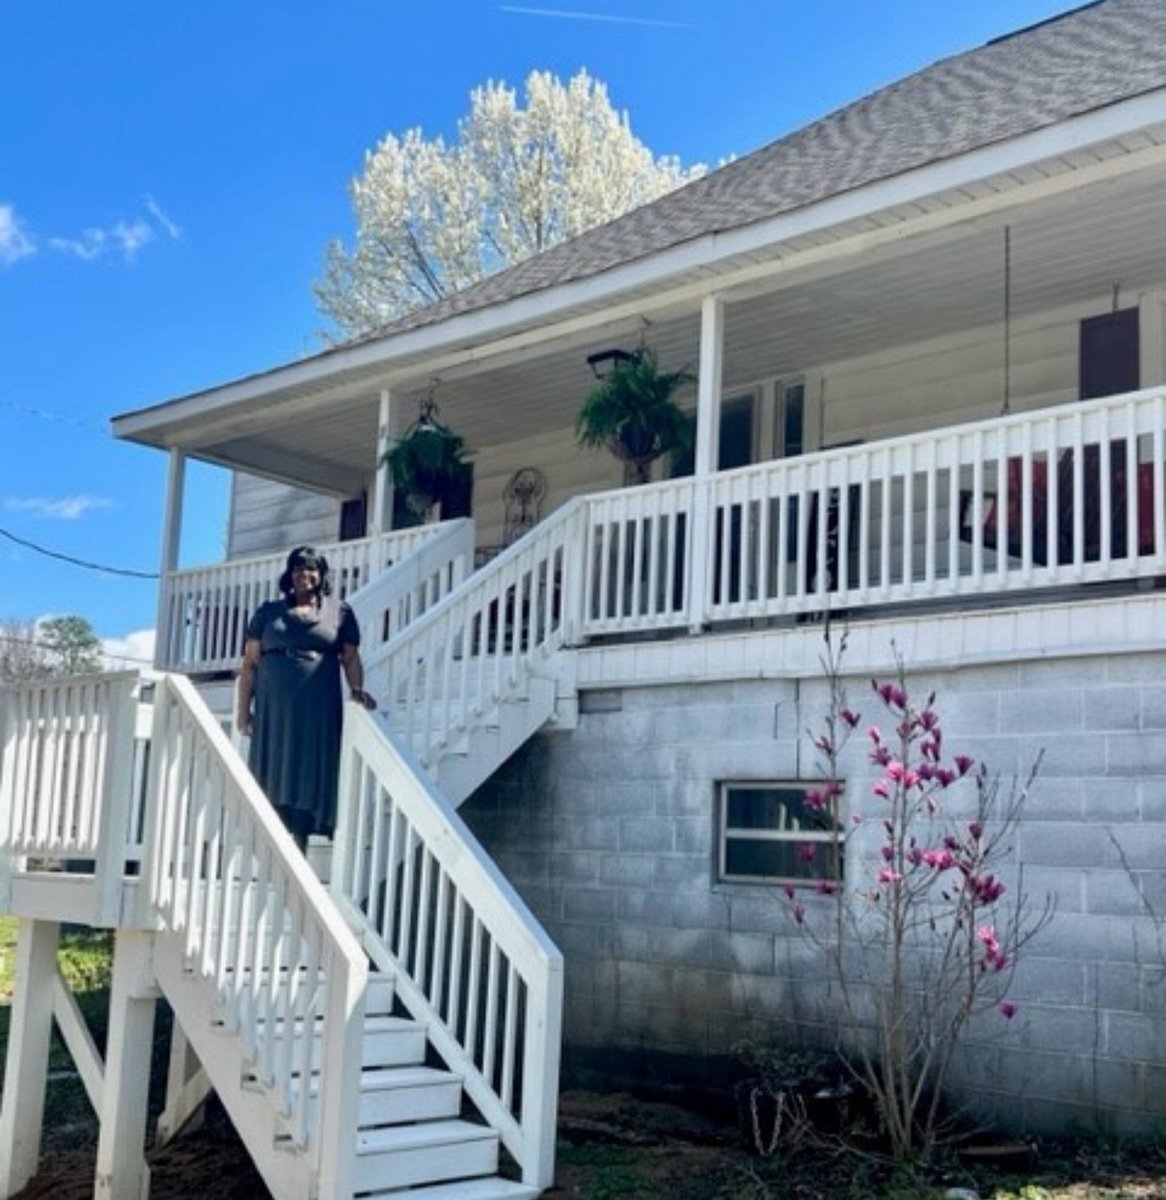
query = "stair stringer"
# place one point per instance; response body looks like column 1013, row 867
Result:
column 253, row 1112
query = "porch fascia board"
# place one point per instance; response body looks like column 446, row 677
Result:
column 666, row 279
column 1123, row 626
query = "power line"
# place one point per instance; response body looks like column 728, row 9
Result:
column 78, row 562
column 56, row 418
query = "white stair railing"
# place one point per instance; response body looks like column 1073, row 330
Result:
column 415, row 583
column 468, row 957
column 204, row 610
column 437, row 677
column 257, row 929
column 67, row 771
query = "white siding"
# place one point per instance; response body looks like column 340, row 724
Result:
column 960, row 377
column 569, row 470
column 267, row 517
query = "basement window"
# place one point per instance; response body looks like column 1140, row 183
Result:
column 767, row 833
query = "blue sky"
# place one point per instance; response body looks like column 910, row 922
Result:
column 170, row 174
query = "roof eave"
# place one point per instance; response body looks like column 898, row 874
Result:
column 530, row 318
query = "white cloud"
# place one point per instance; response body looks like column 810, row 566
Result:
column 129, row 653
column 15, row 244
column 155, row 210
column 62, row 508
column 128, row 237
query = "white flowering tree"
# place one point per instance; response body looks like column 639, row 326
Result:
column 432, row 218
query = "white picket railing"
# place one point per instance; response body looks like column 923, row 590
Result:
column 67, row 778
column 205, row 610
column 415, row 583
column 468, row 957
column 477, row 645
column 1055, row 497
column 257, row 926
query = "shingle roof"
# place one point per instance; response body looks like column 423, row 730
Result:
column 1084, row 60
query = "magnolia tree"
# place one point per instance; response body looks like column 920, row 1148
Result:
column 922, row 939
column 432, row 217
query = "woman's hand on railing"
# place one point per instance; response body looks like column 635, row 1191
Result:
column 363, row 698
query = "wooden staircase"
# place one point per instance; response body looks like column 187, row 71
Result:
column 409, row 1082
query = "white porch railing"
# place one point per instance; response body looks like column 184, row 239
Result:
column 68, row 770
column 205, row 609
column 257, row 928
column 468, row 957
column 479, row 644
column 1056, row 497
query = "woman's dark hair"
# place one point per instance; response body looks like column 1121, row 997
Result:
column 306, row 556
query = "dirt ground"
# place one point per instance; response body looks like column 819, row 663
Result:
column 617, row 1147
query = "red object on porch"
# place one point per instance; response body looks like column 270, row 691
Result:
column 1065, row 501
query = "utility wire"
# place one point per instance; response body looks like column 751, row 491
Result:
column 78, row 562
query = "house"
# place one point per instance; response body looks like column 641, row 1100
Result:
column 929, row 336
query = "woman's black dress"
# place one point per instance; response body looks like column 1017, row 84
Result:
column 295, row 739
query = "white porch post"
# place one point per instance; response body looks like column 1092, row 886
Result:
column 708, row 429
column 122, row 1173
column 22, row 1105
column 380, row 512
column 165, row 652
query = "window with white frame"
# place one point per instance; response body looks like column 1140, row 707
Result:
column 770, row 833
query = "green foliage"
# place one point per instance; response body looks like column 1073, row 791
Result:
column 426, row 462
column 632, row 413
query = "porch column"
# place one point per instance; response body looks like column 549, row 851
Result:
column 708, row 430
column 122, row 1173
column 164, row 651
column 380, row 510
column 22, row 1105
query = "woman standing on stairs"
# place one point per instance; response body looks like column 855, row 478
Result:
column 289, row 694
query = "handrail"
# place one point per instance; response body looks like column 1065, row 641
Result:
column 469, row 958
column 205, row 609
column 479, row 642
column 414, row 583
column 66, row 776
column 257, row 927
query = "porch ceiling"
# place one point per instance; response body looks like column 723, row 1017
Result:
column 1070, row 249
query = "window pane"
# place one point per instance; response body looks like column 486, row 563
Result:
column 775, row 808
column 780, row 860
column 793, row 432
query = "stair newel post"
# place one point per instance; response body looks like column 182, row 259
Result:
column 22, row 1103
column 117, row 800
column 149, row 890
column 540, row 1078
column 347, row 815
column 122, row 1173
column 339, row 1103
column 573, row 584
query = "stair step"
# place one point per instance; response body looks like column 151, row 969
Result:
column 396, row 1095
column 387, row 1042
column 491, row 1187
column 400, row 1156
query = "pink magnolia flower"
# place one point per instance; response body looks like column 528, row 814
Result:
column 963, row 763
column 856, row 818
column 849, row 717
column 881, row 789
column 826, row 887
column 888, row 853
column 941, row 860
column 798, row 913
column 1007, row 1009
column 805, row 852
column 886, row 875
column 815, row 799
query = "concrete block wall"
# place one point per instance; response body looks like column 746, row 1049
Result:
column 609, row 832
